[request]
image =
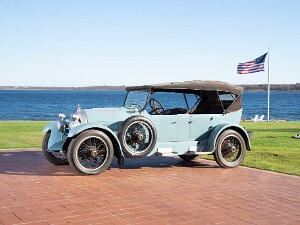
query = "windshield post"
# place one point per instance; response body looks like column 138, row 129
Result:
column 147, row 100
column 125, row 98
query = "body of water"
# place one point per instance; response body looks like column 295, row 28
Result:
column 45, row 104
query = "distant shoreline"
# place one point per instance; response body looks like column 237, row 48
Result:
column 89, row 88
column 248, row 87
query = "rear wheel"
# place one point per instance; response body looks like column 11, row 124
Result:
column 56, row 158
column 189, row 157
column 91, row 152
column 230, row 149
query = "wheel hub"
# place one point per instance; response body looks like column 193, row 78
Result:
column 229, row 149
column 139, row 137
column 92, row 151
column 233, row 149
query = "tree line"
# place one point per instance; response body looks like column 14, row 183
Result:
column 273, row 87
column 247, row 87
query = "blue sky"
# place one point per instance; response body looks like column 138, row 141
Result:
column 126, row 42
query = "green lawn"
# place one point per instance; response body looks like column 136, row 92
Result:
column 21, row 134
column 272, row 146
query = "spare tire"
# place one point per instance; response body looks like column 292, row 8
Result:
column 137, row 136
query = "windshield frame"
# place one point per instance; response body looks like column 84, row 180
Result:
column 143, row 106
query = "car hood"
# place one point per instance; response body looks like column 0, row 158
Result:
column 107, row 116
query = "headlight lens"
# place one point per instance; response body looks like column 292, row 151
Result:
column 61, row 124
column 78, row 118
column 75, row 121
column 75, row 117
column 62, row 116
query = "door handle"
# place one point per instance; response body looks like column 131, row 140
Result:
column 190, row 121
column 173, row 122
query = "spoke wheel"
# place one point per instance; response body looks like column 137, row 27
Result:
column 91, row 152
column 56, row 158
column 137, row 136
column 230, row 149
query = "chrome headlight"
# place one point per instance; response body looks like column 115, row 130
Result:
column 61, row 124
column 75, row 117
column 61, row 116
column 78, row 118
column 75, row 121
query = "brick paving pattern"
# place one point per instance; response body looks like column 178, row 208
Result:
column 154, row 190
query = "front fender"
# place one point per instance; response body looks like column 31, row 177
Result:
column 56, row 139
column 215, row 133
column 87, row 126
column 50, row 126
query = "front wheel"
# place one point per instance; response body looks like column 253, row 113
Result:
column 230, row 149
column 91, row 152
column 56, row 158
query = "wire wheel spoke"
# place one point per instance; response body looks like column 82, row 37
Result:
column 92, row 153
column 231, row 149
column 138, row 137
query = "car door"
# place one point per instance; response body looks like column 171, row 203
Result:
column 200, row 125
column 166, row 127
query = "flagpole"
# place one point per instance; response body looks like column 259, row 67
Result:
column 269, row 84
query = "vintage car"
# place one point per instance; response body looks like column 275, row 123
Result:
column 187, row 119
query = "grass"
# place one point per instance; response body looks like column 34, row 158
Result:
column 21, row 134
column 272, row 146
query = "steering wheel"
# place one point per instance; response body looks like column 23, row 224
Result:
column 156, row 107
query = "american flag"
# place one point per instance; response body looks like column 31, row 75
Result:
column 253, row 66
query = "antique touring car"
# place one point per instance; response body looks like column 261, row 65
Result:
column 181, row 118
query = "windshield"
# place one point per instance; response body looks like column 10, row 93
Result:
column 136, row 98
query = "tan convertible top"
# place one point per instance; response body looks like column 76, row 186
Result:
column 187, row 86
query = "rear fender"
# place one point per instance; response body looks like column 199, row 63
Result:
column 215, row 133
column 96, row 126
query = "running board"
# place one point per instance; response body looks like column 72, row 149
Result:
column 197, row 150
column 165, row 152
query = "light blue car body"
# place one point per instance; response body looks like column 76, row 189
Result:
column 176, row 134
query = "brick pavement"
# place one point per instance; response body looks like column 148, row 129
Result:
column 155, row 190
